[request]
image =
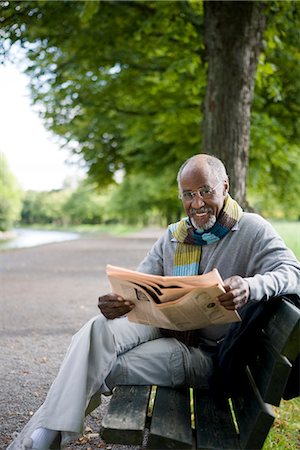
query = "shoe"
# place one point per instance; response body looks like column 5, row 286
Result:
column 17, row 444
column 27, row 444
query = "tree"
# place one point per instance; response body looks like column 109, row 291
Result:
column 124, row 82
column 233, row 39
column 44, row 207
column 144, row 200
column 85, row 206
column 274, row 163
column 10, row 196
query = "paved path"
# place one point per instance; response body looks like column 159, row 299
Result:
column 46, row 294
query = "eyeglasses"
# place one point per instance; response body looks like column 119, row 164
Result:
column 204, row 192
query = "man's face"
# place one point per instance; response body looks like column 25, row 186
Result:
column 202, row 211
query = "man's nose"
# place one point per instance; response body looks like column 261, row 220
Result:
column 197, row 200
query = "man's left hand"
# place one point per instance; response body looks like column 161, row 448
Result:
column 237, row 293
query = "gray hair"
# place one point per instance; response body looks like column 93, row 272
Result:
column 215, row 163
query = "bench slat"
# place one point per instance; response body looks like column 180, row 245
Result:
column 171, row 420
column 125, row 420
column 270, row 372
column 254, row 417
column 262, row 383
column 215, row 428
column 283, row 329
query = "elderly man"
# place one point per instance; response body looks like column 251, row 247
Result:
column 109, row 350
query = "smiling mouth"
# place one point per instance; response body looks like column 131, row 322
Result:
column 202, row 219
column 201, row 214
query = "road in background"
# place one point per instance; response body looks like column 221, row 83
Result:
column 47, row 293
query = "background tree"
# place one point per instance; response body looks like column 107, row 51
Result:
column 274, row 163
column 44, row 207
column 10, row 196
column 145, row 200
column 85, row 205
column 123, row 83
column 233, row 40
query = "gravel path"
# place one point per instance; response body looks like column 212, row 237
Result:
column 47, row 293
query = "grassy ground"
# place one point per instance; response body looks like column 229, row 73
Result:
column 114, row 229
column 285, row 432
column 290, row 233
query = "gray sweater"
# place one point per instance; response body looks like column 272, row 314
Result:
column 252, row 249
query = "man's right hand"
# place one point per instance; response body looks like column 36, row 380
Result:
column 113, row 306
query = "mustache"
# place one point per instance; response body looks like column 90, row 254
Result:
column 205, row 209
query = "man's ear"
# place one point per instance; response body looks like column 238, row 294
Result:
column 226, row 188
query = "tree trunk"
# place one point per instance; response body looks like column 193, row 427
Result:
column 233, row 36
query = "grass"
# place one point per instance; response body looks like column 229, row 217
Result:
column 284, row 434
column 85, row 229
column 290, row 233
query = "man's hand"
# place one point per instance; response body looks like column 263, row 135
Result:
column 237, row 293
column 113, row 306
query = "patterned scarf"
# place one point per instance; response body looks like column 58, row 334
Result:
column 189, row 240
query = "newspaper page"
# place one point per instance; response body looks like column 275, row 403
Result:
column 165, row 304
column 207, row 279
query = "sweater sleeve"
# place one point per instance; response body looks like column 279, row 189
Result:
column 275, row 269
column 153, row 262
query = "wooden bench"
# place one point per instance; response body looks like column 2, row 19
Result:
column 191, row 418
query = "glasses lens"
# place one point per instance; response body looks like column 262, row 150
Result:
column 187, row 196
column 205, row 191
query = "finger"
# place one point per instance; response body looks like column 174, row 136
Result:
column 109, row 305
column 230, row 299
column 226, row 298
column 228, row 304
column 112, row 309
column 111, row 299
column 234, row 282
column 116, row 304
column 227, row 287
column 119, row 312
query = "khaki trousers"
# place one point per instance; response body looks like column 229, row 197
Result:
column 105, row 353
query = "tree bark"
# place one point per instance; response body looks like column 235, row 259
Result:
column 233, row 33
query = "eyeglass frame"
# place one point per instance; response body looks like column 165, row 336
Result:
column 197, row 191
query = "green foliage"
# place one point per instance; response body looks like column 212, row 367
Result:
column 64, row 207
column 290, row 233
column 10, row 196
column 85, row 206
column 44, row 207
column 274, row 173
column 123, row 83
column 127, row 95
column 284, row 434
column 144, row 200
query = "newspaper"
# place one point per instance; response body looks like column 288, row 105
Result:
column 175, row 303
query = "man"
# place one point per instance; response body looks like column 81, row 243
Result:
column 109, row 350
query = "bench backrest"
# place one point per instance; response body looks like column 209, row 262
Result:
column 242, row 421
column 266, row 378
